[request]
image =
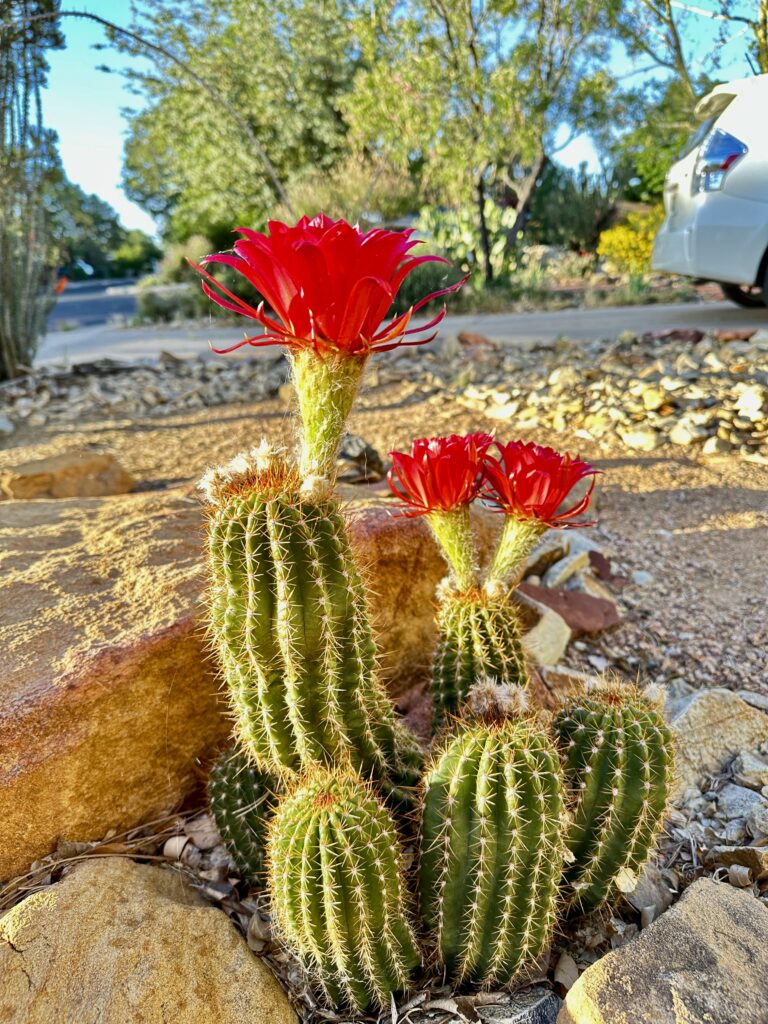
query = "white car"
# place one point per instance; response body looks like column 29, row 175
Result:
column 716, row 195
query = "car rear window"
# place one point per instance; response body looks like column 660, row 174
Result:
column 696, row 137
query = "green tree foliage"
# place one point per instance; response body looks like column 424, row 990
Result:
column 27, row 164
column 471, row 95
column 86, row 228
column 283, row 64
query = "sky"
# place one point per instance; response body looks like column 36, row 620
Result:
column 84, row 105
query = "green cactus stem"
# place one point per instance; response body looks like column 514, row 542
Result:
column 242, row 799
column 290, row 623
column 337, row 891
column 518, row 539
column 479, row 636
column 491, row 846
column 617, row 752
column 326, row 386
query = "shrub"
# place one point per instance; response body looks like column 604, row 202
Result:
column 627, row 247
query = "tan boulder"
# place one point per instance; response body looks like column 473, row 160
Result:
column 80, row 474
column 117, row 942
column 705, row 961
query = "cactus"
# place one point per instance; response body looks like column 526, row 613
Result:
column 618, row 760
column 478, row 637
column 242, row 799
column 491, row 847
column 337, row 891
column 290, row 622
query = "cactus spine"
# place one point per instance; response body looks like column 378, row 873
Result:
column 491, row 847
column 478, row 637
column 337, row 891
column 617, row 754
column 290, row 622
column 242, row 799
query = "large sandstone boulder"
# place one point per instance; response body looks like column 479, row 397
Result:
column 108, row 699
column 705, row 961
column 117, row 942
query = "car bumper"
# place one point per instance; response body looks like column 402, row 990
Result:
column 720, row 238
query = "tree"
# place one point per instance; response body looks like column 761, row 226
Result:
column 27, row 162
column 83, row 227
column 194, row 168
column 470, row 95
column 135, row 255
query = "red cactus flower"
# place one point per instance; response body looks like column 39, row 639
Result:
column 440, row 474
column 328, row 284
column 531, row 482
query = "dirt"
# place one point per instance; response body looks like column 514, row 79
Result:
column 698, row 526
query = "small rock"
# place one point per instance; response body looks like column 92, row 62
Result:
column 710, row 726
column 553, row 547
column 546, row 634
column 202, row 831
column 640, row 440
column 750, row 770
column 685, row 432
column 561, row 571
column 583, row 613
column 736, row 801
column 566, row 971
column 716, row 445
column 537, row 1005
column 682, row 968
column 651, row 891
column 753, row 857
column 641, row 578
column 7, row 426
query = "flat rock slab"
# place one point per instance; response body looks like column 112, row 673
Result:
column 70, row 475
column 583, row 613
column 705, row 961
column 108, row 699
column 117, row 942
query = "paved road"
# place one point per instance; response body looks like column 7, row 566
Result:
column 96, row 340
column 87, row 303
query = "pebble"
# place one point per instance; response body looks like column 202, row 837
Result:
column 642, row 578
column 7, row 426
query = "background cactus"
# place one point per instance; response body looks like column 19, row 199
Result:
column 337, row 890
column 478, row 637
column 617, row 752
column 491, row 847
column 242, row 799
column 290, row 623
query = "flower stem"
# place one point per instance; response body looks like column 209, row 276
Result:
column 453, row 532
column 326, row 386
column 518, row 539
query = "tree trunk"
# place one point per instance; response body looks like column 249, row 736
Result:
column 525, row 195
column 485, row 240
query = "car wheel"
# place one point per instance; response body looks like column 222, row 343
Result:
column 751, row 296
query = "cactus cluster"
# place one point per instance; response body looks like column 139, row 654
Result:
column 518, row 817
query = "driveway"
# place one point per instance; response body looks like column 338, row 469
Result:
column 134, row 343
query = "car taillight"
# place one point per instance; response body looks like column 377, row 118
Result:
column 717, row 156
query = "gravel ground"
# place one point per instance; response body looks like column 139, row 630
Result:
column 691, row 523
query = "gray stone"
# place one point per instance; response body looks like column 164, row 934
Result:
column 705, row 961
column 750, row 770
column 537, row 1005
column 6, row 426
column 736, row 801
column 709, row 727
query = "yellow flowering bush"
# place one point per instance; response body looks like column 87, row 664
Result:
column 627, row 247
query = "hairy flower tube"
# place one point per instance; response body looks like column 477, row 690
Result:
column 329, row 286
column 529, row 484
column 439, row 479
